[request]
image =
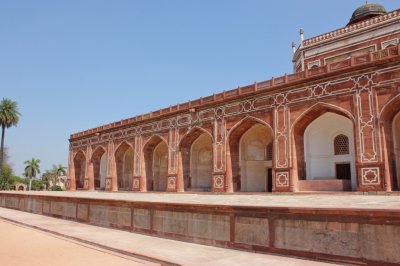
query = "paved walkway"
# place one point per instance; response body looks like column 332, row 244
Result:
column 345, row 201
column 23, row 246
column 164, row 251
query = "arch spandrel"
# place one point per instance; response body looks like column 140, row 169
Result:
column 305, row 117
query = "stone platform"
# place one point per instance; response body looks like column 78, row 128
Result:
column 349, row 228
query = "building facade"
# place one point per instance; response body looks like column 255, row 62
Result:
column 332, row 125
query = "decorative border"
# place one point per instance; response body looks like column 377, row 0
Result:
column 218, row 182
column 314, row 63
column 370, row 176
column 282, row 179
column 108, row 183
column 352, row 28
column 263, row 102
column 389, row 42
column 136, row 183
column 171, row 182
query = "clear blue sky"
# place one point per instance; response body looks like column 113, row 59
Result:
column 77, row 64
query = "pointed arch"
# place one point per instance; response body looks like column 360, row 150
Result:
column 251, row 120
column 196, row 130
column 80, row 168
column 124, row 143
column 155, row 153
column 99, row 150
column 99, row 157
column 304, row 144
column 196, row 148
column 124, row 165
column 318, row 109
column 389, row 119
column 250, row 136
column 155, row 138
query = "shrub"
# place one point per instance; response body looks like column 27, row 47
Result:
column 56, row 188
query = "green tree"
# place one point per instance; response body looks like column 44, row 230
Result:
column 6, row 177
column 51, row 176
column 47, row 177
column 58, row 170
column 9, row 116
column 32, row 169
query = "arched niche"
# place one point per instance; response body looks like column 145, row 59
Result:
column 197, row 159
column 80, row 168
column 396, row 148
column 156, row 164
column 124, row 164
column 250, row 145
column 329, row 150
column 99, row 160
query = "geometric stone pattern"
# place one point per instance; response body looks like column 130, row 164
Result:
column 370, row 176
column 282, row 179
column 218, row 182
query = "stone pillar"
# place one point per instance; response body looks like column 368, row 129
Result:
column 71, row 183
column 228, row 171
column 88, row 169
column 111, row 177
column 137, row 164
column 143, row 180
column 281, row 169
column 88, row 183
column 173, row 160
column 294, row 174
column 385, row 153
column 91, row 176
column 218, row 184
column 180, row 185
column 370, row 172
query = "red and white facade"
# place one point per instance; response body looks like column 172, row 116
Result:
column 332, row 125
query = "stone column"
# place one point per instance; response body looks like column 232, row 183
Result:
column 385, row 152
column 143, row 180
column 88, row 169
column 71, row 183
column 180, row 185
column 137, row 168
column 111, row 178
column 370, row 172
column 91, row 176
column 281, row 177
column 228, row 171
column 218, row 184
column 173, row 158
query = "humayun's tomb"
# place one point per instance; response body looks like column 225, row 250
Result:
column 332, row 125
column 324, row 140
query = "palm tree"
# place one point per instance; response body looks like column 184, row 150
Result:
column 32, row 169
column 9, row 116
column 48, row 177
column 58, row 171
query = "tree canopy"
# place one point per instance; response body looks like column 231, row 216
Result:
column 9, row 116
column 32, row 169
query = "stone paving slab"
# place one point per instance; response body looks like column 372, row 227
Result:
column 326, row 201
column 17, row 249
column 160, row 250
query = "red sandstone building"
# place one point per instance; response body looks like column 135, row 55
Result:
column 332, row 125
